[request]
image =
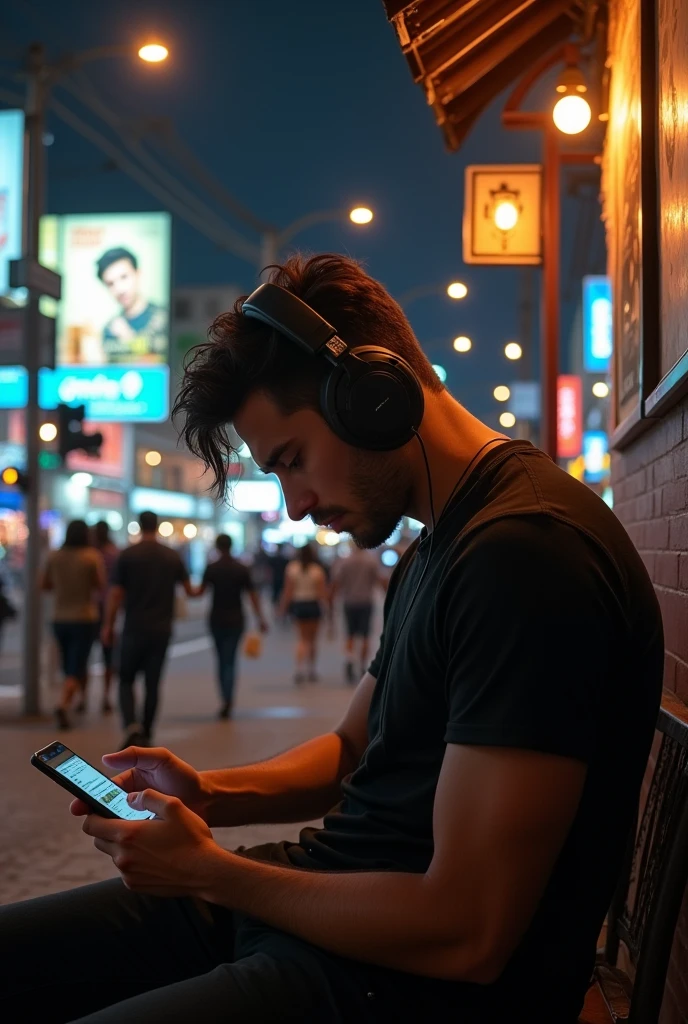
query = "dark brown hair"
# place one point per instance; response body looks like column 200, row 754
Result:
column 244, row 355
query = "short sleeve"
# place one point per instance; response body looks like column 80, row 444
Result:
column 526, row 617
column 394, row 580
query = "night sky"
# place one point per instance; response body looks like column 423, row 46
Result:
column 298, row 107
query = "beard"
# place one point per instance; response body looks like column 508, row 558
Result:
column 381, row 486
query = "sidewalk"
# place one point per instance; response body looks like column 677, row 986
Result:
column 42, row 848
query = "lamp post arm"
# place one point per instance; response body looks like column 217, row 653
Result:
column 309, row 220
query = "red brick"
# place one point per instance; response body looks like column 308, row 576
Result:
column 678, row 533
column 680, row 462
column 680, row 687
column 663, row 470
column 665, row 572
column 657, row 535
column 675, row 617
column 648, row 558
column 675, row 497
column 644, row 505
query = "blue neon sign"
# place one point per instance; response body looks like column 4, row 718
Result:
column 595, row 451
column 597, row 324
column 118, row 394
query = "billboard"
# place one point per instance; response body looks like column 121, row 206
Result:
column 597, row 323
column 11, row 151
column 115, row 287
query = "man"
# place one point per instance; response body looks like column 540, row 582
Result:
column 144, row 580
column 479, row 790
column 140, row 332
column 278, row 568
column 354, row 579
column 228, row 579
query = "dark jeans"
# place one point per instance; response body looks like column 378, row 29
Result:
column 141, row 652
column 75, row 640
column 226, row 644
column 101, row 954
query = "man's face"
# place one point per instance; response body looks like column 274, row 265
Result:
column 122, row 281
column 358, row 492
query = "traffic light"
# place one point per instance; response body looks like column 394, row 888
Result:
column 70, row 432
column 12, row 476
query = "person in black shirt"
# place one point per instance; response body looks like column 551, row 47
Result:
column 479, row 791
column 228, row 579
column 144, row 579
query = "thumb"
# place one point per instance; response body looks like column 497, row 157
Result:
column 162, row 806
column 131, row 757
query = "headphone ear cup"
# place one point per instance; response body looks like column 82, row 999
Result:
column 373, row 401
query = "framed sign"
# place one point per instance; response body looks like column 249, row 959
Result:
column 672, row 162
column 630, row 186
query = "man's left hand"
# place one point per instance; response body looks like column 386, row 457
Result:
column 173, row 854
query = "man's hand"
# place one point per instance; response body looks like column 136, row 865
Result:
column 171, row 855
column 154, row 768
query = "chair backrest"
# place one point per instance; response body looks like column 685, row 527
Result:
column 648, row 898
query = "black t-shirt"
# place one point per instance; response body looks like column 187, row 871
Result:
column 149, row 573
column 535, row 626
column 228, row 579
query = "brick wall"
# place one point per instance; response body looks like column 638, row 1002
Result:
column 650, row 480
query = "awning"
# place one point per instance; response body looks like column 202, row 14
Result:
column 465, row 52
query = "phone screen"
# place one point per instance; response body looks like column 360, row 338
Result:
column 64, row 761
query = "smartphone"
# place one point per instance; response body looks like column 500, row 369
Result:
column 81, row 779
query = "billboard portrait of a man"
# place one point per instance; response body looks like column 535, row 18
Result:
column 140, row 330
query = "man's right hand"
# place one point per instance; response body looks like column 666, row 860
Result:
column 154, row 768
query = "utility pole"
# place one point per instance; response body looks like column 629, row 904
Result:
column 28, row 273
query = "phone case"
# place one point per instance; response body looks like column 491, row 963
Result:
column 97, row 808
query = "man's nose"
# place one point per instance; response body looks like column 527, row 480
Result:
column 299, row 504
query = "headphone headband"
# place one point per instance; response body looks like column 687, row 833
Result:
column 371, row 398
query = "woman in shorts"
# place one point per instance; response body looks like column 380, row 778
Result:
column 76, row 576
column 304, row 595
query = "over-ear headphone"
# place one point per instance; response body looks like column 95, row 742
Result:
column 371, row 398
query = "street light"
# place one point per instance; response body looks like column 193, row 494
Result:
column 38, row 281
column 457, row 290
column 166, row 529
column 153, row 458
column 502, row 393
column 273, row 240
column 462, row 344
column 513, row 350
column 600, row 389
column 506, row 215
column 361, row 215
column 48, row 432
column 153, row 53
column 507, row 419
column 572, row 112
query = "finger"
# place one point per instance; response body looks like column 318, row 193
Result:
column 127, row 781
column 135, row 757
column 105, row 846
column 162, row 806
column 104, row 828
column 78, row 807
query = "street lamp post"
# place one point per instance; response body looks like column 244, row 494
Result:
column 272, row 240
column 27, row 272
column 553, row 158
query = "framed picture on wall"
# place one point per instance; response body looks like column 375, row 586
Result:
column 672, row 163
column 630, row 186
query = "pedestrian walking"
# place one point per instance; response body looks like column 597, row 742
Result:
column 354, row 579
column 144, row 581
column 278, row 568
column 76, row 576
column 304, row 595
column 228, row 579
column 7, row 609
column 109, row 552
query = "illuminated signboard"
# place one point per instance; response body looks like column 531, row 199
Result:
column 11, row 147
column 597, row 324
column 569, row 416
column 256, row 496
column 595, row 455
column 110, row 394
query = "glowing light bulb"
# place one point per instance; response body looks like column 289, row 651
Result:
column 361, row 215
column 153, row 53
column 506, row 215
column 571, row 114
column 502, row 393
column 463, row 344
column 457, row 290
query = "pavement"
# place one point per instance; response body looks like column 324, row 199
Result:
column 42, row 848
